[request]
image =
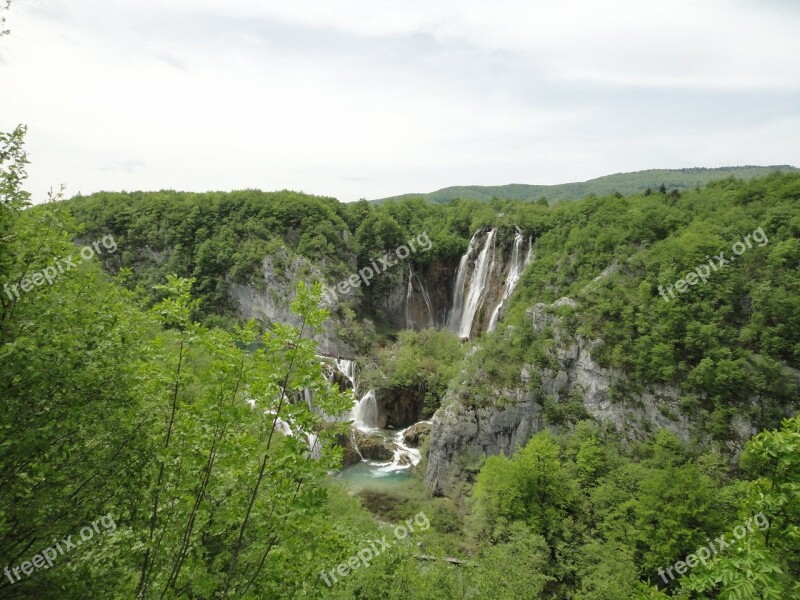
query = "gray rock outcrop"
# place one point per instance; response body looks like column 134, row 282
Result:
column 271, row 300
column 415, row 434
column 514, row 415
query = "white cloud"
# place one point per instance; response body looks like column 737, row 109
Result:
column 371, row 98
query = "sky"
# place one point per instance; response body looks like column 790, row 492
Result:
column 367, row 99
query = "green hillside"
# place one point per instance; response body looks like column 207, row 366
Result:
column 141, row 421
column 624, row 183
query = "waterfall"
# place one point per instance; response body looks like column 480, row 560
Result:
column 466, row 302
column 314, row 447
column 404, row 456
column 282, row 426
column 427, row 300
column 354, row 441
column 365, row 412
column 515, row 270
column 410, row 295
column 308, row 396
column 454, row 320
column 348, row 369
column 365, row 418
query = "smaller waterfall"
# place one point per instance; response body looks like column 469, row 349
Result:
column 354, row 441
column 314, row 446
column 283, row 427
column 404, row 457
column 308, row 396
column 365, row 412
column 409, row 298
column 348, row 369
column 427, row 300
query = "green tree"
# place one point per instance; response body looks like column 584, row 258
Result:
column 764, row 562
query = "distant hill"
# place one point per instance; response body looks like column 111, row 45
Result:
column 624, row 183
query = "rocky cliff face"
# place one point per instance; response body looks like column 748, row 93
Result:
column 271, row 301
column 399, row 407
column 421, row 297
column 458, row 430
column 463, row 295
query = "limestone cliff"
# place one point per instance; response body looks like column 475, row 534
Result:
column 514, row 415
column 270, row 299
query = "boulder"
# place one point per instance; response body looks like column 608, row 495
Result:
column 374, row 446
column 413, row 435
column 351, row 455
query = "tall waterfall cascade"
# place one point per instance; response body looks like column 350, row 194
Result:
column 467, row 295
column 478, row 279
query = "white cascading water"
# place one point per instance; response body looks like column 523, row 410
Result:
column 427, row 300
column 283, row 427
column 314, row 447
column 409, row 296
column 365, row 412
column 365, row 416
column 454, row 319
column 466, row 302
column 515, row 270
column 348, row 369
column 404, row 457
column 308, row 396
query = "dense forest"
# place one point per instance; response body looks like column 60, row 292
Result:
column 141, row 407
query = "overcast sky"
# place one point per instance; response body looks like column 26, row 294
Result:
column 352, row 98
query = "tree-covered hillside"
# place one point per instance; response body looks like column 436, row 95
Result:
column 178, row 447
column 623, row 183
column 724, row 340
